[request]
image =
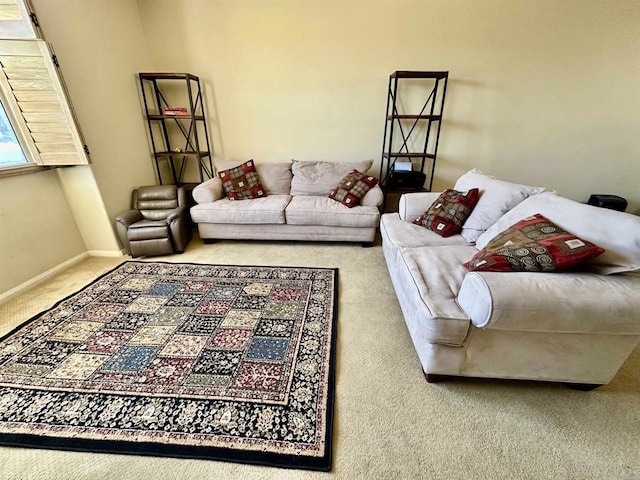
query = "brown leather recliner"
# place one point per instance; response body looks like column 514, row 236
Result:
column 157, row 224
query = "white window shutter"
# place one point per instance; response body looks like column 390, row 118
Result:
column 17, row 20
column 36, row 96
column 34, row 92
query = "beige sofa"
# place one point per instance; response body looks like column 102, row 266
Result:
column 297, row 206
column 576, row 327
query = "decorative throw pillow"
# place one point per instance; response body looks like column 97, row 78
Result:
column 449, row 212
column 242, row 182
column 352, row 188
column 533, row 244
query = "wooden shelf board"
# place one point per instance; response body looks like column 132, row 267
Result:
column 181, row 117
column 182, row 154
column 414, row 74
column 408, row 155
column 415, row 117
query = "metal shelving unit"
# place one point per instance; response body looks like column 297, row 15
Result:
column 405, row 132
column 190, row 128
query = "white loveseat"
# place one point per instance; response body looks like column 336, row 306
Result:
column 297, row 206
column 574, row 327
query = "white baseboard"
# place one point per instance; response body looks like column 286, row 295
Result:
column 106, row 253
column 42, row 277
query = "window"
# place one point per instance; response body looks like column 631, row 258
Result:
column 11, row 153
column 38, row 127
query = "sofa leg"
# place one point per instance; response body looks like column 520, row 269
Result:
column 435, row 378
column 583, row 387
column 367, row 244
column 209, row 241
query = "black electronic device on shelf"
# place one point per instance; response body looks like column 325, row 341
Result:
column 402, row 180
column 614, row 202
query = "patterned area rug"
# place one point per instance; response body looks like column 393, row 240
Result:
column 200, row 361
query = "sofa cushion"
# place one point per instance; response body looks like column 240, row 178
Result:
column 312, row 210
column 319, row 178
column 617, row 232
column 496, row 198
column 429, row 279
column 265, row 210
column 533, row 244
column 242, row 182
column 353, row 188
column 448, row 213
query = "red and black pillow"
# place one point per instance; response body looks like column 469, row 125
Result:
column 534, row 244
column 449, row 212
column 352, row 188
column 242, row 182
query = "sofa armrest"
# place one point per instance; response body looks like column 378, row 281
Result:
column 552, row 302
column 373, row 198
column 412, row 205
column 208, row 191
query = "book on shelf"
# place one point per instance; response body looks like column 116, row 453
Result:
column 174, row 111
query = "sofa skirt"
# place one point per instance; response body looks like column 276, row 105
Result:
column 311, row 233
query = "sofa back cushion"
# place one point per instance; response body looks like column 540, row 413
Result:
column 276, row 177
column 320, row 178
column 496, row 198
column 617, row 232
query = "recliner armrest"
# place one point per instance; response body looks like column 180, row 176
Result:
column 208, row 191
column 129, row 217
column 577, row 302
column 175, row 213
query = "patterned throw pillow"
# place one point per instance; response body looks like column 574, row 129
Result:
column 352, row 188
column 242, row 182
column 533, row 244
column 449, row 212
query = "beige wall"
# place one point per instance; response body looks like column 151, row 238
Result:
column 101, row 49
column 37, row 229
column 541, row 92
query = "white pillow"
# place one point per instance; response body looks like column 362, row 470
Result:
column 496, row 198
column 617, row 232
column 319, row 178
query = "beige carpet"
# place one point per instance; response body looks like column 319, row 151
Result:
column 390, row 424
